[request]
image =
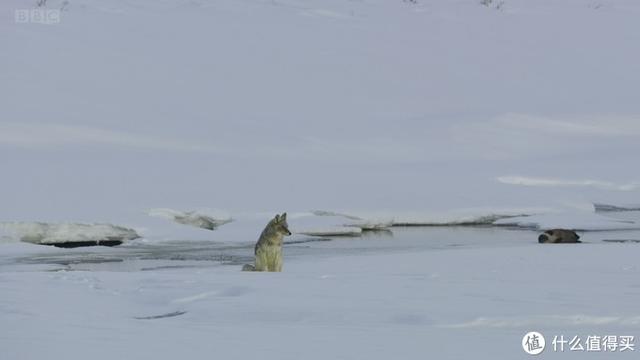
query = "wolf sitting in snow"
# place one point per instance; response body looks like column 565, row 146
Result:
column 268, row 249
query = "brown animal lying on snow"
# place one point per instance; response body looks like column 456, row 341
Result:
column 558, row 236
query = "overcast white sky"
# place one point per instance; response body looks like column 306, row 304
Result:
column 317, row 104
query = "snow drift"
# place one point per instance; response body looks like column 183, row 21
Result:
column 372, row 220
column 66, row 234
column 337, row 231
column 599, row 207
column 364, row 224
column 579, row 221
column 205, row 219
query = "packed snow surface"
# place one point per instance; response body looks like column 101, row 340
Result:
column 420, row 291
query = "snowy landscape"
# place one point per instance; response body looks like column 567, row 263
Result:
column 419, row 149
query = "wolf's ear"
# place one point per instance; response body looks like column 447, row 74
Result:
column 277, row 218
column 283, row 217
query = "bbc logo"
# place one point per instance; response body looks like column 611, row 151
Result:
column 37, row 16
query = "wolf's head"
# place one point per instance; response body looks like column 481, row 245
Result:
column 280, row 224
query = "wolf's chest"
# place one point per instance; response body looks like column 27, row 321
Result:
column 272, row 241
column 270, row 249
column 269, row 254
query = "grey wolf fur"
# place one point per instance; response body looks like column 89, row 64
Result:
column 558, row 236
column 268, row 249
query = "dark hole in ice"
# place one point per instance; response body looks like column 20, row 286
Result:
column 76, row 244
